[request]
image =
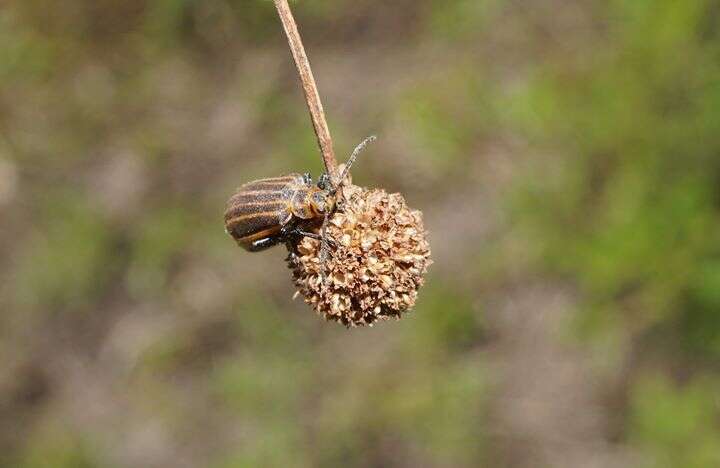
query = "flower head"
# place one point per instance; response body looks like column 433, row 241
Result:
column 377, row 258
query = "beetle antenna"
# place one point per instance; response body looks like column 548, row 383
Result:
column 358, row 149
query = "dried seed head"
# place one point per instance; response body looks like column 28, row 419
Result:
column 376, row 263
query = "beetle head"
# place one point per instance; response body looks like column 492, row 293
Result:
column 322, row 202
column 324, row 182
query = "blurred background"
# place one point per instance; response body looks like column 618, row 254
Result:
column 566, row 155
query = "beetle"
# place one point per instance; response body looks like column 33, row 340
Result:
column 267, row 212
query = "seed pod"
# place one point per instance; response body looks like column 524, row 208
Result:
column 377, row 266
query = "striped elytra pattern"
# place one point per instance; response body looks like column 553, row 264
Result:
column 260, row 209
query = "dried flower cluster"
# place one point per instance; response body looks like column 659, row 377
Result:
column 375, row 266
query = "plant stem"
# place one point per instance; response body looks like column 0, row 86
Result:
column 309, row 87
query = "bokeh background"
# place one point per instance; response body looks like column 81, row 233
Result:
column 566, row 155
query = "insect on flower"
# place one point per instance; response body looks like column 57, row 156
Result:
column 267, row 212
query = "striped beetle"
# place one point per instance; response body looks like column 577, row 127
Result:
column 267, row 212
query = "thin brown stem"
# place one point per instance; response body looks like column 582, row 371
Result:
column 309, row 87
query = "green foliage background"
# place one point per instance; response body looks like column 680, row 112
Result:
column 566, row 156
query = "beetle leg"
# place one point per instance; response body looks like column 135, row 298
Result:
column 293, row 253
column 312, row 235
column 325, row 249
column 302, row 233
column 262, row 244
column 288, row 229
